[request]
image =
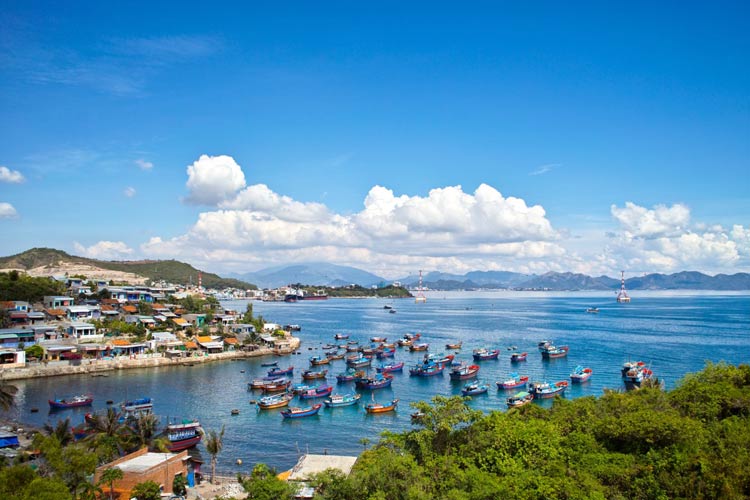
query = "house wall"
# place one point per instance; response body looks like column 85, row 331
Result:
column 162, row 473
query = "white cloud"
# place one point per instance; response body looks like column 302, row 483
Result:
column 129, row 192
column 10, row 176
column 654, row 223
column 143, row 164
column 260, row 198
column 7, row 211
column 213, row 179
column 543, row 169
column 104, row 250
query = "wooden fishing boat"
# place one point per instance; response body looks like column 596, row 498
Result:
column 386, row 353
column 73, row 402
column 137, row 408
column 542, row 345
column 277, row 386
column 634, row 377
column 379, row 381
column 426, row 370
column 485, row 354
column 319, row 360
column 518, row 356
column 349, row 375
column 464, row 372
column 380, row 408
column 389, row 345
column 341, row 336
column 313, row 375
column 352, row 348
column 593, row 310
column 275, row 373
column 419, row 347
column 358, row 362
column 474, row 389
column 335, row 355
column 275, row 401
column 378, row 339
column 270, row 363
column 513, row 382
column 413, row 336
column 404, row 342
column 580, row 374
column 553, row 352
column 338, row 400
column 543, row 390
column 391, row 367
column 294, row 412
column 456, row 345
column 184, row 435
column 519, row 399
column 316, row 392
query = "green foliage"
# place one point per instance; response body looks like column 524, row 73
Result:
column 35, row 351
column 179, row 485
column 15, row 286
column 360, row 291
column 264, row 485
column 148, row 490
column 109, row 477
column 689, row 443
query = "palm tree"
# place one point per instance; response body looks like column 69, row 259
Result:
column 109, row 476
column 62, row 431
column 88, row 491
column 143, row 430
column 108, row 432
column 7, row 396
column 214, row 444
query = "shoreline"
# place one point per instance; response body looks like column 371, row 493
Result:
column 99, row 367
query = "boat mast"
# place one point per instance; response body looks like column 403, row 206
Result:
column 420, row 291
column 622, row 296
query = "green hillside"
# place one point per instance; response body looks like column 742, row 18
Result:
column 168, row 270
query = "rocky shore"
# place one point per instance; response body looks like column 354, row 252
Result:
column 102, row 366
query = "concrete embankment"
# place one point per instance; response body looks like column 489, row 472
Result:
column 95, row 366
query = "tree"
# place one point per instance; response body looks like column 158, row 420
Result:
column 108, row 435
column 147, row 490
column 214, row 444
column 35, row 351
column 109, row 476
column 144, row 432
column 179, row 485
column 247, row 318
column 62, row 431
column 264, row 485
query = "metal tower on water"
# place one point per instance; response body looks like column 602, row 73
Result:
column 420, row 291
column 622, row 295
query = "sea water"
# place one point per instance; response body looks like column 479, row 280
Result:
column 673, row 333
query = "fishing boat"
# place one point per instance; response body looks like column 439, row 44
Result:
column 341, row 336
column 419, row 347
column 270, row 363
column 390, row 367
column 358, row 362
column 543, row 390
column 542, row 345
column 294, row 412
column 405, row 342
column 519, row 399
column 277, row 372
column 335, row 355
column 513, row 382
column 380, row 408
column 349, row 375
column 484, row 354
column 464, row 372
column 635, row 375
column 378, row 339
column 277, row 386
column 184, row 435
column 580, row 374
column 631, row 365
column 518, row 356
column 456, row 345
column 474, row 389
column 73, row 402
column 412, row 336
column 338, row 400
column 260, row 383
column 275, row 401
column 378, row 381
column 313, row 375
column 319, row 360
column 316, row 392
column 352, row 348
column 426, row 370
column 441, row 359
column 137, row 408
column 593, row 310
column 386, row 353
column 553, row 352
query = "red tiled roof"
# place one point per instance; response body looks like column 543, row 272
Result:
column 130, row 309
column 120, row 342
column 55, row 312
column 230, row 340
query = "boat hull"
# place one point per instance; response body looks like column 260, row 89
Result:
column 184, row 444
column 61, row 405
column 300, row 413
column 376, row 408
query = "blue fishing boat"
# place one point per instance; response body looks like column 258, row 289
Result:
column 545, row 391
column 385, row 353
column 391, row 367
column 308, row 411
column 379, row 381
column 484, row 354
column 474, row 389
column 337, row 400
column 349, row 375
column 426, row 370
column 316, row 392
column 277, row 372
column 358, row 362
column 270, row 363
column 580, row 374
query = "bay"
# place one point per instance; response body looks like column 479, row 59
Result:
column 673, row 332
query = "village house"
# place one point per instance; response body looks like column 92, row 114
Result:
column 84, row 332
column 211, row 344
column 16, row 338
column 142, row 466
column 57, row 301
column 80, row 313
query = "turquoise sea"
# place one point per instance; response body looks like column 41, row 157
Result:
column 674, row 333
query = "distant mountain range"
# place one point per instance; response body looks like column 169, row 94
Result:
column 313, row 273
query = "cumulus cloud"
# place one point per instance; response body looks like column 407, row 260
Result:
column 213, row 179
column 104, row 250
column 659, row 221
column 143, row 164
column 129, row 192
column 11, row 176
column 259, row 198
column 7, row 211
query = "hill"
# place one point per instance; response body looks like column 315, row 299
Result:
column 49, row 261
column 312, row 273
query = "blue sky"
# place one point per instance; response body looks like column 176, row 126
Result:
column 627, row 124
